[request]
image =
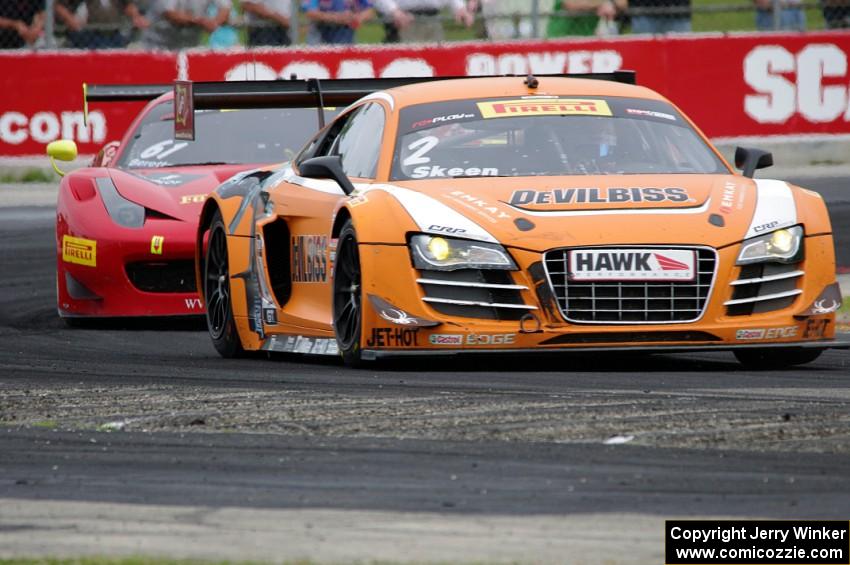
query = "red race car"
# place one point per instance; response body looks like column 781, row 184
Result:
column 126, row 224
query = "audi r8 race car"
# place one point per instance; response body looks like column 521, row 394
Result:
column 125, row 225
column 538, row 214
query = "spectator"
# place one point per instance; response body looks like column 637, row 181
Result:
column 661, row 16
column 21, row 22
column 224, row 35
column 390, row 30
column 176, row 24
column 586, row 17
column 836, row 13
column 335, row 21
column 791, row 15
column 419, row 20
column 96, row 24
column 268, row 21
column 511, row 19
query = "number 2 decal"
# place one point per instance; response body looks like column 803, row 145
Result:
column 420, row 147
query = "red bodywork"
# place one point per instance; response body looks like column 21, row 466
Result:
column 104, row 269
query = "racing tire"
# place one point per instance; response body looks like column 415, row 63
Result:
column 348, row 297
column 217, row 296
column 764, row 359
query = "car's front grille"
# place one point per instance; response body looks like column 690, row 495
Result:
column 631, row 302
column 162, row 276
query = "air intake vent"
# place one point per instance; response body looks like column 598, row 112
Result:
column 277, row 244
column 474, row 293
column 763, row 288
column 162, row 276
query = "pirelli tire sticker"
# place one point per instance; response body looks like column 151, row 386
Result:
column 544, row 107
column 79, row 251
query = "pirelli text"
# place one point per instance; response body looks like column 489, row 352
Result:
column 693, row 542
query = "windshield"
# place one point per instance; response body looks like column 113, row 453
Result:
column 534, row 136
column 264, row 135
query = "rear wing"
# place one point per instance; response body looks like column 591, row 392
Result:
column 311, row 93
column 120, row 93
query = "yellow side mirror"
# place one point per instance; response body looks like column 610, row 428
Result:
column 62, row 149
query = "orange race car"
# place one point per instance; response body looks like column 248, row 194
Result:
column 515, row 214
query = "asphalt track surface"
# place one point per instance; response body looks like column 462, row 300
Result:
column 137, row 438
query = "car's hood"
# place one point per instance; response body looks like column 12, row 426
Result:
column 539, row 213
column 174, row 192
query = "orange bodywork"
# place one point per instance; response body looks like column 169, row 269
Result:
column 282, row 232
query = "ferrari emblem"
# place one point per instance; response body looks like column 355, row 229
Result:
column 156, row 244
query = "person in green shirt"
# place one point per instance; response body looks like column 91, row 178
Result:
column 585, row 17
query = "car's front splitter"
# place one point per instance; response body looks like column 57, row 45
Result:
column 376, row 354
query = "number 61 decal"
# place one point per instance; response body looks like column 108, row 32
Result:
column 162, row 150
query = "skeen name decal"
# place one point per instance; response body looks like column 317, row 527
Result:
column 544, row 107
column 309, row 258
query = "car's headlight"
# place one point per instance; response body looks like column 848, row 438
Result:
column 780, row 246
column 448, row 254
column 122, row 211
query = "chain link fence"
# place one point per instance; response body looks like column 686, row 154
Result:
column 173, row 24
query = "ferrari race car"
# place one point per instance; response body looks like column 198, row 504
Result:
column 125, row 225
column 538, row 214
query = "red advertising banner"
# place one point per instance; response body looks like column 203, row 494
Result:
column 731, row 85
column 41, row 96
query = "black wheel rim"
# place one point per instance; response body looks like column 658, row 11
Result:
column 217, row 283
column 347, row 294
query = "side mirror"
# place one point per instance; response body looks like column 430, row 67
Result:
column 329, row 167
column 62, row 149
column 749, row 159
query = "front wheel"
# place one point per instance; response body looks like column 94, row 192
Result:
column 348, row 297
column 220, row 322
column 762, row 359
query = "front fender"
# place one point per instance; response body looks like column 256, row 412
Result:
column 211, row 205
column 378, row 217
column 811, row 211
